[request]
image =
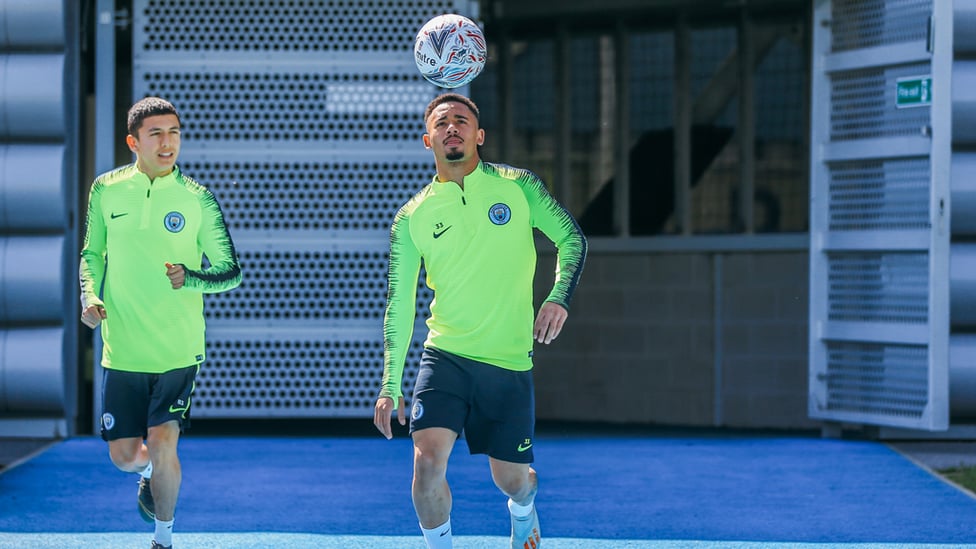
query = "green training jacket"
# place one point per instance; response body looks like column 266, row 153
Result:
column 478, row 248
column 134, row 227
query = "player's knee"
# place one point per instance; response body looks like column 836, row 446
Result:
column 125, row 457
column 162, row 436
column 516, row 485
column 516, row 488
column 429, row 465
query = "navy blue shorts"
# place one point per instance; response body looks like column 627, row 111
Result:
column 493, row 407
column 132, row 402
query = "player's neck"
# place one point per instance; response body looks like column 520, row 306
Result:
column 456, row 171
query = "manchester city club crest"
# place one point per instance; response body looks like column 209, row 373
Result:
column 500, row 214
column 174, row 222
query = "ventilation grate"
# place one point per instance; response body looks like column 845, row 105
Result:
column 282, row 196
column 297, row 377
column 869, row 23
column 878, row 287
column 332, row 287
column 863, row 104
column 255, row 107
column 870, row 378
column 879, row 194
column 286, row 26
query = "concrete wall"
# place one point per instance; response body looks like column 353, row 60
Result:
column 681, row 338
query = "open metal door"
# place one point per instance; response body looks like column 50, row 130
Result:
column 879, row 218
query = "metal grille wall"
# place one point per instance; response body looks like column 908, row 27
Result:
column 305, row 119
column 880, row 241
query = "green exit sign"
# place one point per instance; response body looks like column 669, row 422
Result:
column 913, row 91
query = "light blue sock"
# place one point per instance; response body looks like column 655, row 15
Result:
column 147, row 472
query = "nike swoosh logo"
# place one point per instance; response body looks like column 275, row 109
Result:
column 115, row 215
column 174, row 409
column 438, row 234
column 524, row 448
column 445, row 532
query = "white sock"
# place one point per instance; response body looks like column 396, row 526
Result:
column 147, row 472
column 438, row 537
column 164, row 532
column 520, row 510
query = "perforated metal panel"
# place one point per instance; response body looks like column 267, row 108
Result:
column 878, row 287
column 879, row 253
column 871, row 378
column 300, row 373
column 858, row 24
column 286, row 26
column 303, row 284
column 863, row 105
column 305, row 119
column 354, row 193
column 270, row 107
column 882, row 194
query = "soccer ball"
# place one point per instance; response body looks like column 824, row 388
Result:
column 450, row 51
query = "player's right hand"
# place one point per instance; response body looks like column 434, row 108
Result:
column 93, row 315
column 384, row 412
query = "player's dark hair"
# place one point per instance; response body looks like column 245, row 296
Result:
column 144, row 108
column 448, row 98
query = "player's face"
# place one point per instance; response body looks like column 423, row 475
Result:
column 157, row 145
column 453, row 133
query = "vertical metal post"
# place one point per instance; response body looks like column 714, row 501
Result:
column 747, row 124
column 506, row 117
column 683, row 102
column 105, row 86
column 104, row 147
column 563, row 111
column 621, row 189
column 718, row 415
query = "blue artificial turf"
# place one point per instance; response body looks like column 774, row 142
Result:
column 736, row 489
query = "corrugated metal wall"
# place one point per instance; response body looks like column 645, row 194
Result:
column 39, row 112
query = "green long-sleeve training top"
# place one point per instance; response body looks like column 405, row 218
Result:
column 478, row 248
column 134, row 227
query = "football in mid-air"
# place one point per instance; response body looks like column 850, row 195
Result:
column 450, row 51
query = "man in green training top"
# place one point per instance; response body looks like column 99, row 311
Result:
column 143, row 280
column 472, row 227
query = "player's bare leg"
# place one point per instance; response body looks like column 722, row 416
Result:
column 129, row 454
column 166, row 479
column 132, row 456
column 520, row 483
column 167, row 474
column 431, row 493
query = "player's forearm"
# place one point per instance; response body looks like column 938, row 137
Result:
column 218, row 278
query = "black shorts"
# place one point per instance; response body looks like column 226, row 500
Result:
column 132, row 402
column 492, row 406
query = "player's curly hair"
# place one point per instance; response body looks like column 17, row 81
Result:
column 452, row 97
column 146, row 107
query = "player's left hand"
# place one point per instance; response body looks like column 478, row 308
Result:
column 176, row 274
column 383, row 412
column 549, row 322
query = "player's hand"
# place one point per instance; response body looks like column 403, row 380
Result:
column 384, row 412
column 549, row 322
column 176, row 274
column 93, row 315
